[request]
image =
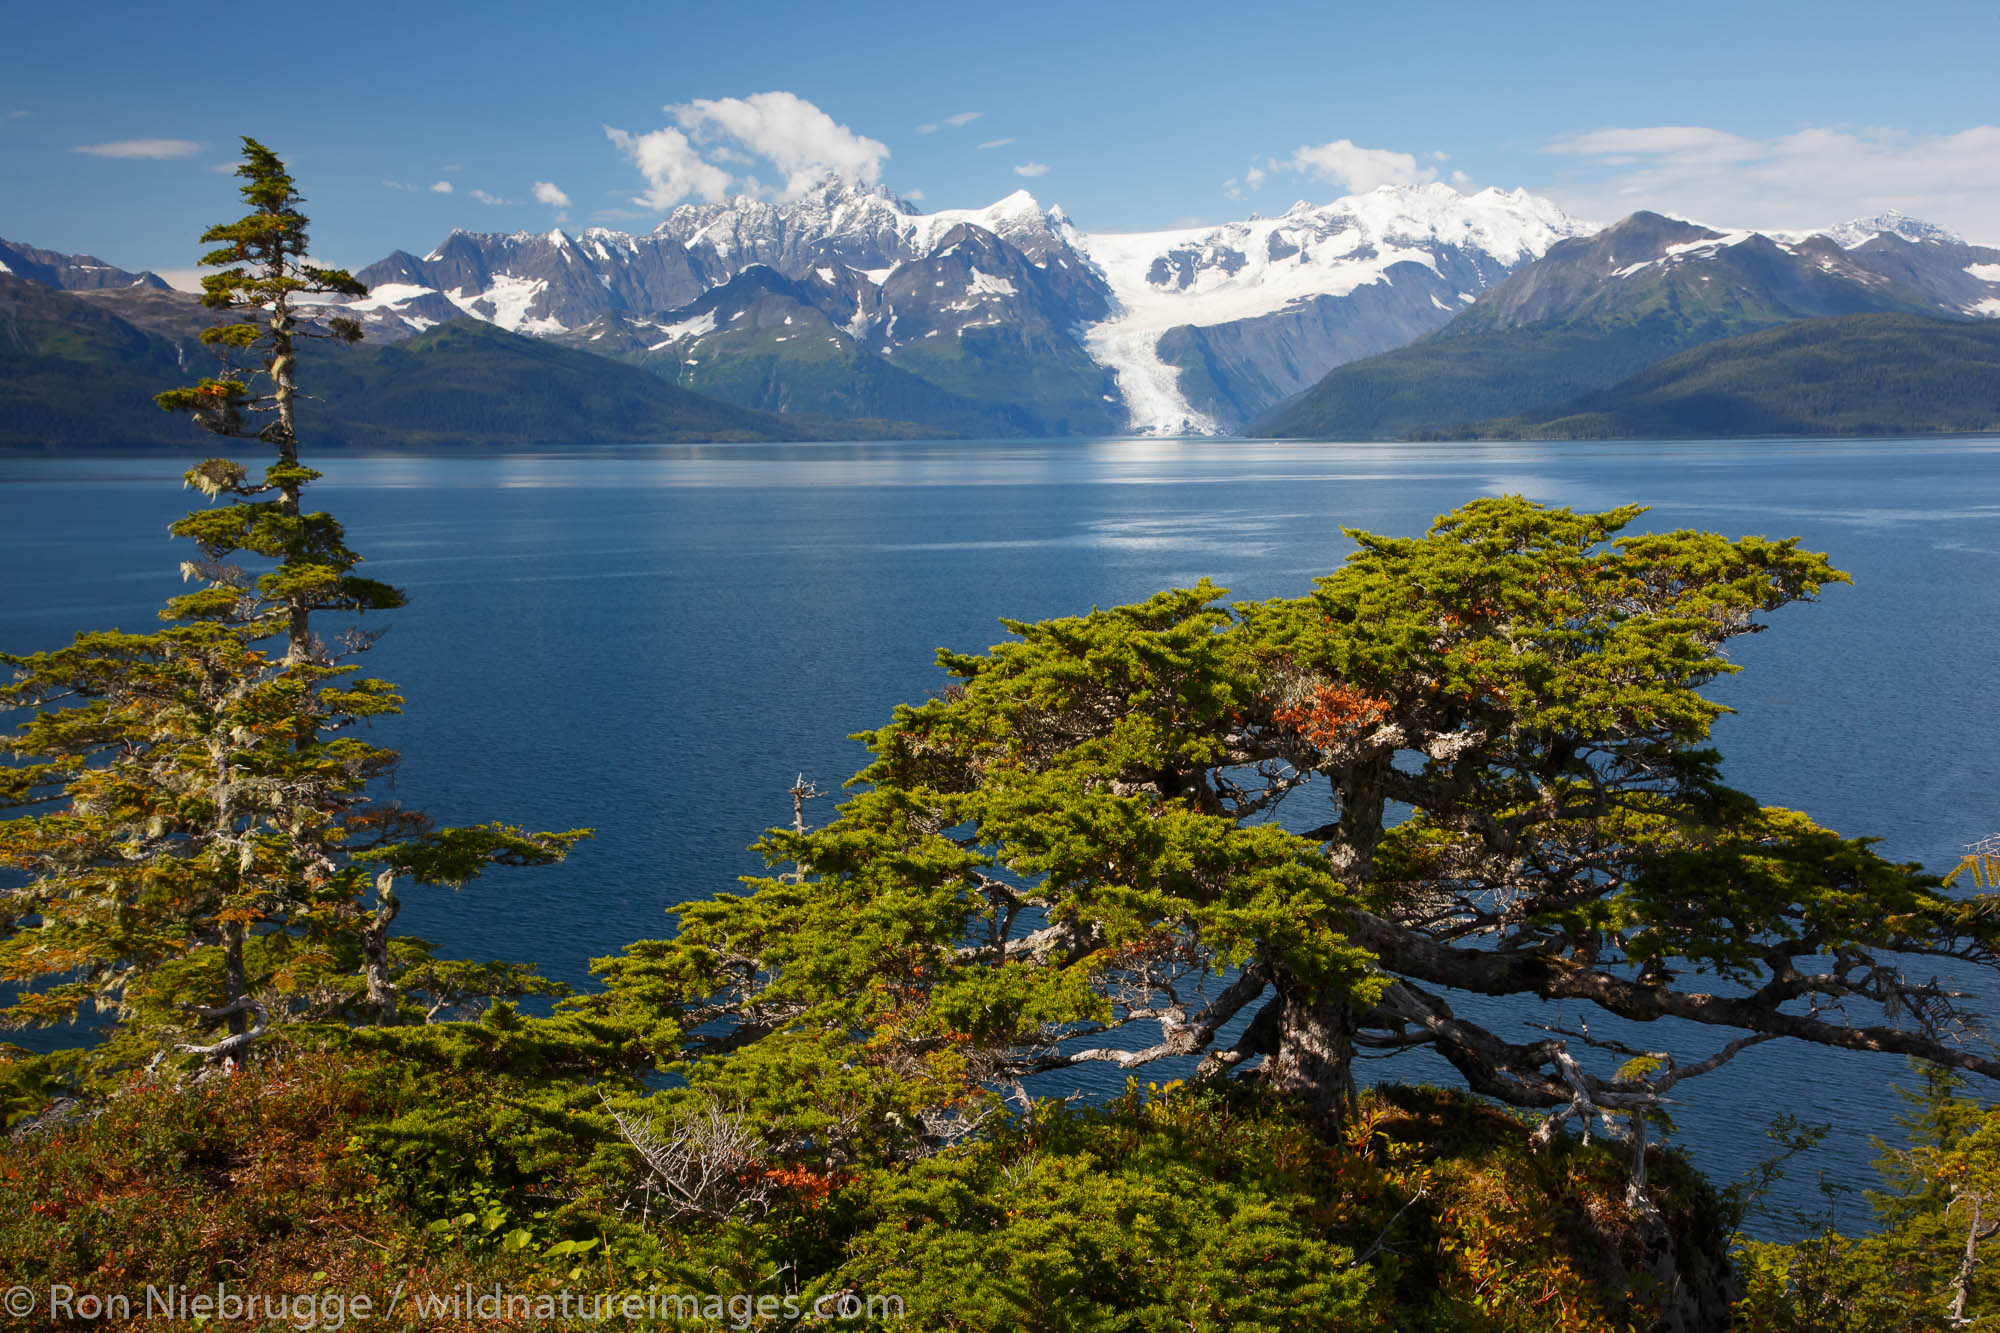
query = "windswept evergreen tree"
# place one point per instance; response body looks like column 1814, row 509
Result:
column 1072, row 857
column 205, row 844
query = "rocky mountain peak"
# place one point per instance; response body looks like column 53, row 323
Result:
column 71, row 273
column 1895, row 222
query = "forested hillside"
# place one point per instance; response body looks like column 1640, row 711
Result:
column 1857, row 375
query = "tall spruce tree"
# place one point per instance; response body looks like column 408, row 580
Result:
column 265, row 273
column 204, row 842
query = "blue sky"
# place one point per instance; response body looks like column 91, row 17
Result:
column 113, row 119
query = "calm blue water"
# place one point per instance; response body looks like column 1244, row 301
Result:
column 654, row 641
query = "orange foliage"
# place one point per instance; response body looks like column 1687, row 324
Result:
column 1335, row 714
column 812, row 1188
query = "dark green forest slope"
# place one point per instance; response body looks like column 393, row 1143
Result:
column 1854, row 375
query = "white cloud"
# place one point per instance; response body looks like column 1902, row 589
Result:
column 1358, row 170
column 452, row 168
column 914, row 196
column 1032, row 169
column 150, row 148
column 441, row 187
column 796, row 137
column 486, row 198
column 550, row 195
column 22, row 114
column 184, row 279
column 1253, row 178
column 800, row 140
column 995, row 143
column 955, row 120
column 1811, row 178
column 1689, row 143
column 671, row 166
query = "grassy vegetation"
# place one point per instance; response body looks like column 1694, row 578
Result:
column 336, row 1172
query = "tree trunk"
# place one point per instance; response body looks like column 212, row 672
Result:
column 236, row 985
column 284, row 364
column 1363, row 810
column 1313, row 1058
column 1961, row 1284
column 375, row 947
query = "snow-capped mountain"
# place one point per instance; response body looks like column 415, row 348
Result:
column 1774, row 277
column 1859, row 231
column 983, row 305
column 866, row 229
column 974, row 338
column 1597, row 309
column 1622, row 271
column 1961, row 279
column 1364, row 313
column 550, row 283
column 1216, row 324
column 1190, row 330
column 528, row 282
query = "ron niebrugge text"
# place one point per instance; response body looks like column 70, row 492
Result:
column 332, row 1311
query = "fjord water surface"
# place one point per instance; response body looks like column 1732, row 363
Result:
column 655, row 641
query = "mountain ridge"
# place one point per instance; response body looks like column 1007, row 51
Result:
column 73, row 373
column 1009, row 320
column 67, row 272
column 1594, row 310
column 1257, row 310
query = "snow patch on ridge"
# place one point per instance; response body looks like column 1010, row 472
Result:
column 700, row 326
column 385, row 294
column 986, row 284
column 506, row 304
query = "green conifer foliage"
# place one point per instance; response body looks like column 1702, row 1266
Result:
column 202, row 841
column 1072, row 857
column 1930, row 1265
column 264, row 274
